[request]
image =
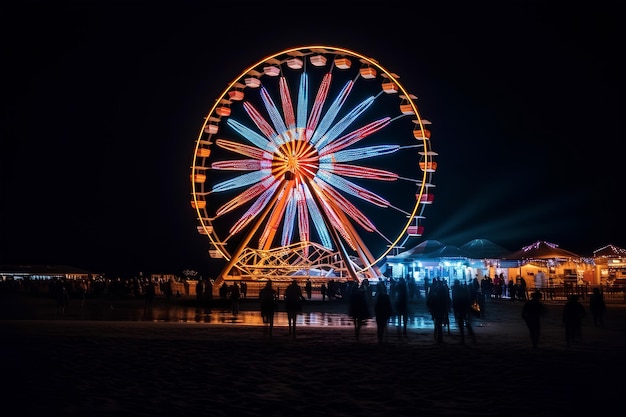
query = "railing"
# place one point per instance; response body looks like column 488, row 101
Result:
column 562, row 292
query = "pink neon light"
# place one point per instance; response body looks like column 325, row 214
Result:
column 251, row 151
column 364, row 172
column 355, row 136
column 259, row 121
column 290, row 118
column 320, row 99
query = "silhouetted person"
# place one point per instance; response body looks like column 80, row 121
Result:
column 323, row 290
column 223, row 291
column 479, row 296
column 462, row 308
column 573, row 313
column 522, row 289
column 597, row 306
column 293, row 305
column 401, row 298
column 149, row 295
column 62, row 297
column 83, row 292
column 235, row 295
column 199, row 290
column 512, row 289
column 308, row 288
column 167, row 288
column 382, row 310
column 358, row 306
column 268, row 301
column 532, row 312
column 426, row 286
column 208, row 291
column 438, row 303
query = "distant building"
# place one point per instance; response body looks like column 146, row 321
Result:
column 610, row 262
column 42, row 272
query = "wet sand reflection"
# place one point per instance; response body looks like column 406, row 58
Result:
column 183, row 314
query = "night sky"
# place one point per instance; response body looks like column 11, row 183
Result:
column 101, row 107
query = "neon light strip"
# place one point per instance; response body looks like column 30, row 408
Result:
column 318, row 220
column 322, row 92
column 252, row 136
column 241, row 181
column 246, row 196
column 359, row 153
column 355, row 136
column 331, row 113
column 351, row 188
column 357, row 171
column 275, row 116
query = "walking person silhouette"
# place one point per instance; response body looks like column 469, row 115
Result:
column 268, row 300
column 382, row 310
column 358, row 306
column 438, row 303
column 402, row 304
column 235, row 295
column 293, row 305
column 597, row 307
column 462, row 309
column 532, row 312
column 573, row 313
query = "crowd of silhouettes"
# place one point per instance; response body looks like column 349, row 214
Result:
column 389, row 302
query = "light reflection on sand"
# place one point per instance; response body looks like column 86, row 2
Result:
column 184, row 314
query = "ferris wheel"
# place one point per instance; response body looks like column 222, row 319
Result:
column 313, row 158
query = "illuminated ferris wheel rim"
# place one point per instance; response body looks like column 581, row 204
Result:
column 270, row 66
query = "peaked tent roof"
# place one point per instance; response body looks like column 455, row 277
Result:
column 448, row 251
column 484, row 249
column 423, row 248
column 609, row 251
column 542, row 250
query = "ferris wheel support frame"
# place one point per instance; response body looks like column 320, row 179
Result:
column 244, row 242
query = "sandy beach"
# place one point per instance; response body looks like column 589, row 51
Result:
column 75, row 367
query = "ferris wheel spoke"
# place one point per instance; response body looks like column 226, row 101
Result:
column 320, row 99
column 303, row 102
column 243, row 180
column 303, row 214
column 355, row 154
column 285, row 98
column 317, row 218
column 247, row 195
column 254, row 209
column 351, row 188
column 236, row 147
column 276, row 215
column 275, row 117
column 337, row 224
column 250, row 135
column 353, row 137
column 266, row 129
column 343, row 124
column 326, row 123
column 290, row 218
column 354, row 214
column 358, row 171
